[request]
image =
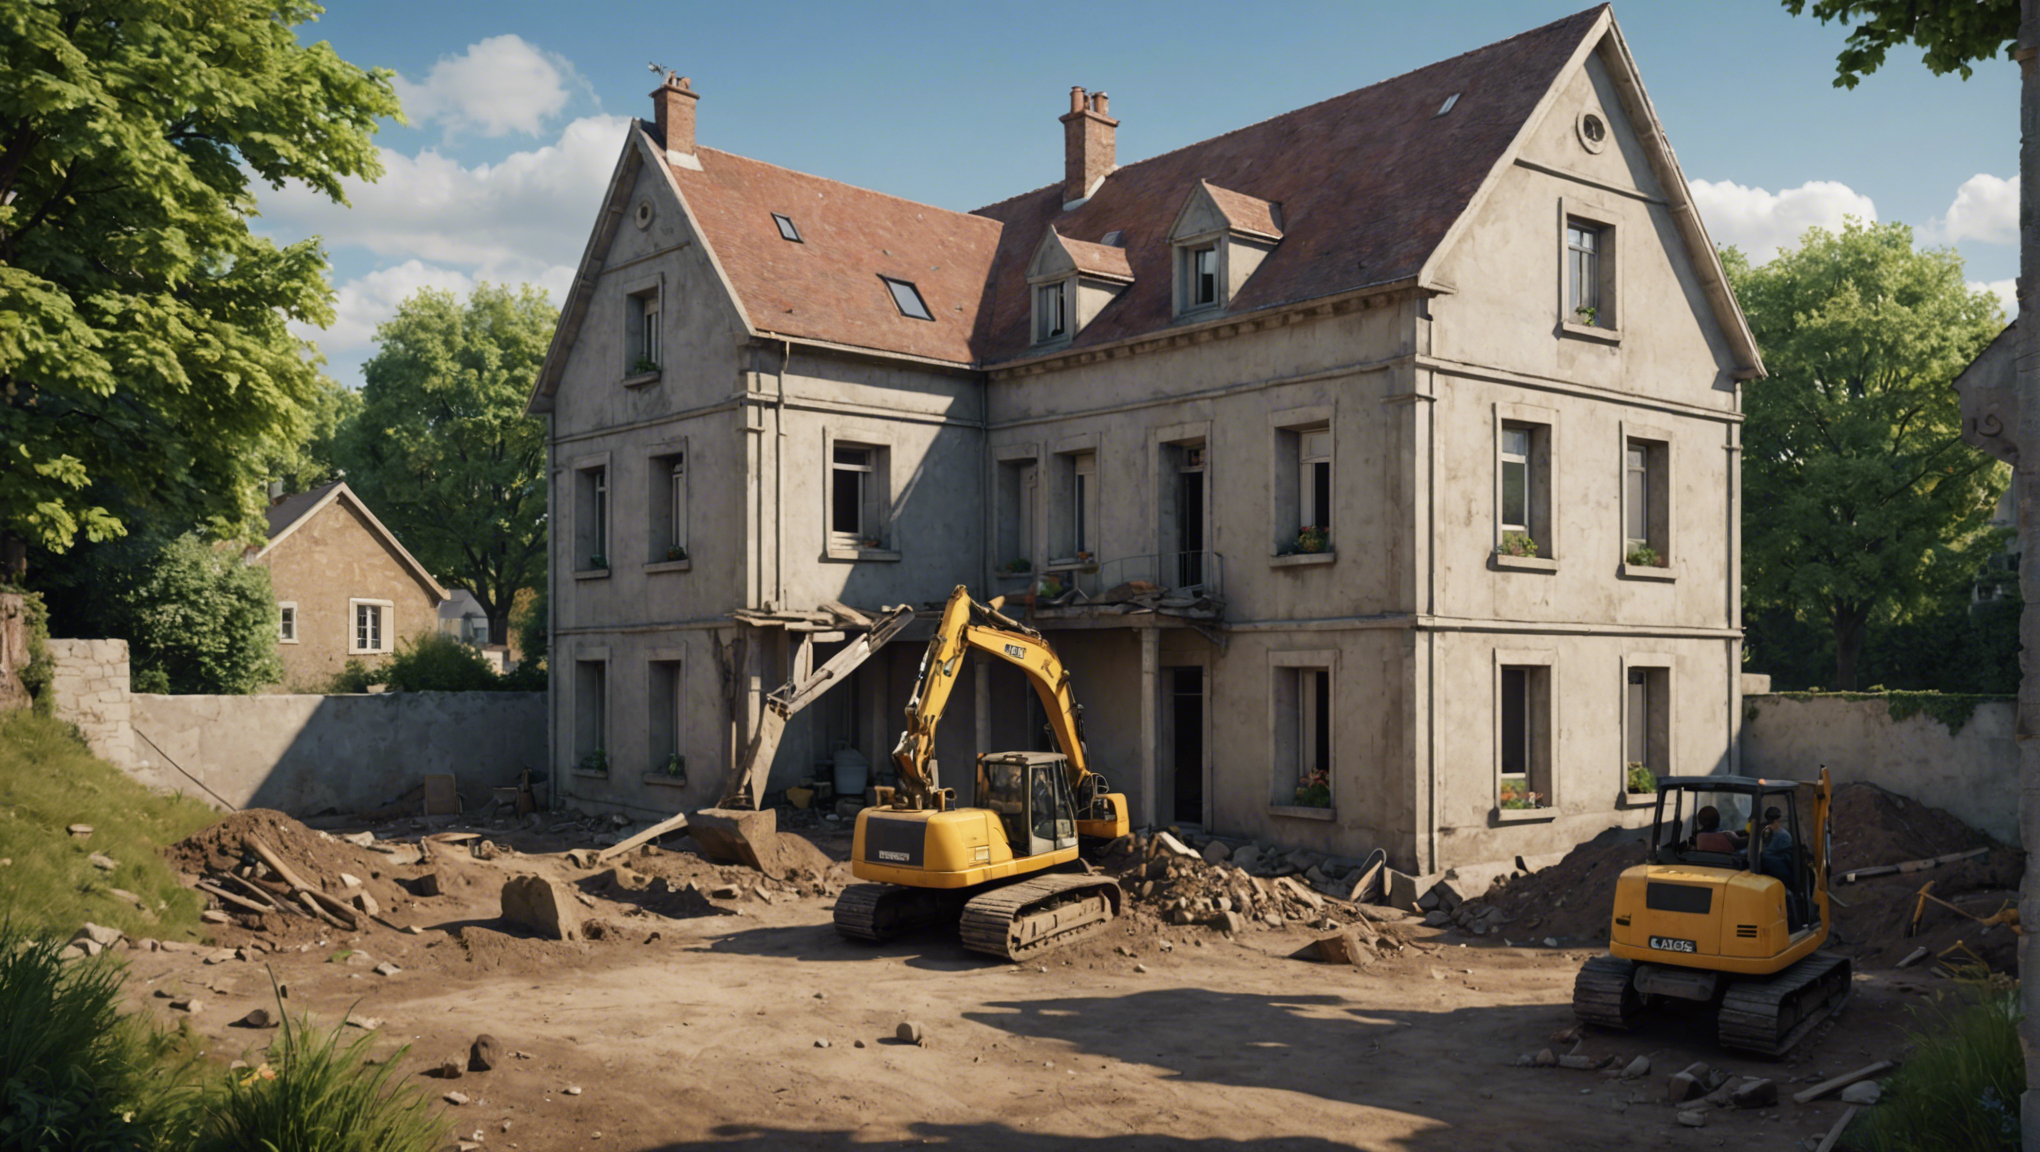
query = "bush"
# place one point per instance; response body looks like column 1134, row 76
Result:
column 355, row 677
column 73, row 1072
column 436, row 662
column 204, row 618
column 1959, row 1092
column 48, row 780
column 1641, row 780
column 312, row 1095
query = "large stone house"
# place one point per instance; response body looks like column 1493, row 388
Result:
column 345, row 587
column 1374, row 467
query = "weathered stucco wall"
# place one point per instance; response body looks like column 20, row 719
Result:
column 1973, row 773
column 310, row 754
column 301, row 754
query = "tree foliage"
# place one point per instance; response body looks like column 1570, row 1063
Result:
column 201, row 620
column 442, row 449
column 145, row 362
column 1955, row 34
column 1860, row 499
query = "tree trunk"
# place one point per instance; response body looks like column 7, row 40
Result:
column 2026, row 481
column 499, row 625
column 1848, row 624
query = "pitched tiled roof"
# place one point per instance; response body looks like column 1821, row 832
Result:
column 1369, row 183
column 828, row 287
column 1245, row 212
column 1098, row 259
column 285, row 512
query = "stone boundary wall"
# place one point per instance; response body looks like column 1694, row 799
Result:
column 1973, row 773
column 301, row 754
column 89, row 684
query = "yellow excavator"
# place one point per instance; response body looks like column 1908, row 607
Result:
column 1731, row 920
column 1007, row 870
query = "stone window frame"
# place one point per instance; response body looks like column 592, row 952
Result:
column 584, row 544
column 1065, row 288
column 287, row 622
column 1185, row 305
column 1605, row 220
column 1285, row 480
column 599, row 656
column 661, row 492
column 1066, row 456
column 1284, row 720
column 1544, row 503
column 386, row 625
column 879, row 516
column 1018, row 457
column 674, row 711
column 642, row 295
column 1661, row 494
column 1661, row 717
column 1542, row 732
column 1168, row 447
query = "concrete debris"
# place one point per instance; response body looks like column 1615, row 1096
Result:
column 1684, row 1086
column 81, row 831
column 572, row 1090
column 449, row 1070
column 1217, row 851
column 1164, row 842
column 1637, row 1068
column 102, row 862
column 100, row 935
column 365, row 1023
column 455, row 1098
column 387, row 969
column 911, row 1032
column 427, row 885
column 1545, row 1059
column 213, row 916
column 1863, row 1092
column 257, row 1018
column 191, row 1005
column 1583, row 1063
column 821, row 1043
column 1693, row 1119
column 1755, row 1094
column 367, row 904
column 360, row 839
column 538, row 904
column 349, row 880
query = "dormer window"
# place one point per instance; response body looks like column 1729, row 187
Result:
column 1051, row 312
column 1220, row 238
column 1201, row 264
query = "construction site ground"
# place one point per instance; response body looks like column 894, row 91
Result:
column 746, row 1022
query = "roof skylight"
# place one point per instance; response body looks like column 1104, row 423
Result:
column 908, row 298
column 1114, row 239
column 1446, row 106
column 786, row 229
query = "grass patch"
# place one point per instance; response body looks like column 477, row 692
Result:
column 1959, row 1090
column 74, row 1073
column 312, row 1095
column 48, row 781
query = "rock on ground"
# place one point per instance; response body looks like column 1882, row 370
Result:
column 538, row 904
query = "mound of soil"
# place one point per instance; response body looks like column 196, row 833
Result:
column 497, row 952
column 1575, row 898
column 316, row 856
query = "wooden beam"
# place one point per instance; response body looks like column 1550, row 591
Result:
column 670, row 824
column 1834, row 1135
column 276, row 863
column 1843, row 1081
column 241, row 902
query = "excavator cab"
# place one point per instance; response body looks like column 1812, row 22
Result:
column 1030, row 791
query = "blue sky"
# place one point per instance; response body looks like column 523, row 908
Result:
column 517, row 111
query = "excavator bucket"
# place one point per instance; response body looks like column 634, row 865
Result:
column 739, row 836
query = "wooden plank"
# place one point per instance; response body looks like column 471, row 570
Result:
column 258, row 892
column 1834, row 1135
column 276, row 863
column 670, row 824
column 1850, row 877
column 241, row 902
column 1843, row 1081
column 1913, row 957
column 305, row 898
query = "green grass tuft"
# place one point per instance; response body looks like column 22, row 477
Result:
column 48, row 781
column 312, row 1095
column 1959, row 1091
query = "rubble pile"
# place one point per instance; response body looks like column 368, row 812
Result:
column 681, row 884
column 1168, row 881
column 267, row 872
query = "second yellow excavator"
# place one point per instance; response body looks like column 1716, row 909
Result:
column 1006, row 871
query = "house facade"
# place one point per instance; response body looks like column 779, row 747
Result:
column 345, row 587
column 1373, row 467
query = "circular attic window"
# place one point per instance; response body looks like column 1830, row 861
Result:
column 644, row 214
column 1593, row 131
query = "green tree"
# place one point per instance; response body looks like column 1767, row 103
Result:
column 1954, row 34
column 145, row 360
column 1859, row 496
column 315, row 459
column 200, row 619
column 442, row 449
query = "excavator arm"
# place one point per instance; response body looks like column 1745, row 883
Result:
column 968, row 626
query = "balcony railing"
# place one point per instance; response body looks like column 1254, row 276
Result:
column 1174, row 573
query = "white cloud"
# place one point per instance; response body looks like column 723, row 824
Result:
column 1986, row 208
column 2007, row 292
column 1761, row 222
column 500, row 85
column 434, row 222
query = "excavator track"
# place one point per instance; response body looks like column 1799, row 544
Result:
column 1025, row 919
column 1773, row 1014
column 1604, row 994
column 883, row 911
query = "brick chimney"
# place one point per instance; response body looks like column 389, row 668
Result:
column 1087, row 144
column 673, row 115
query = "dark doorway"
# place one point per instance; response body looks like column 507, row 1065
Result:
column 1186, row 722
column 1190, row 519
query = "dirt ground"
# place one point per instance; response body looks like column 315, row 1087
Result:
column 708, row 1030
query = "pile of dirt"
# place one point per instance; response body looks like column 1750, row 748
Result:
column 221, row 853
column 491, row 951
column 1574, row 899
